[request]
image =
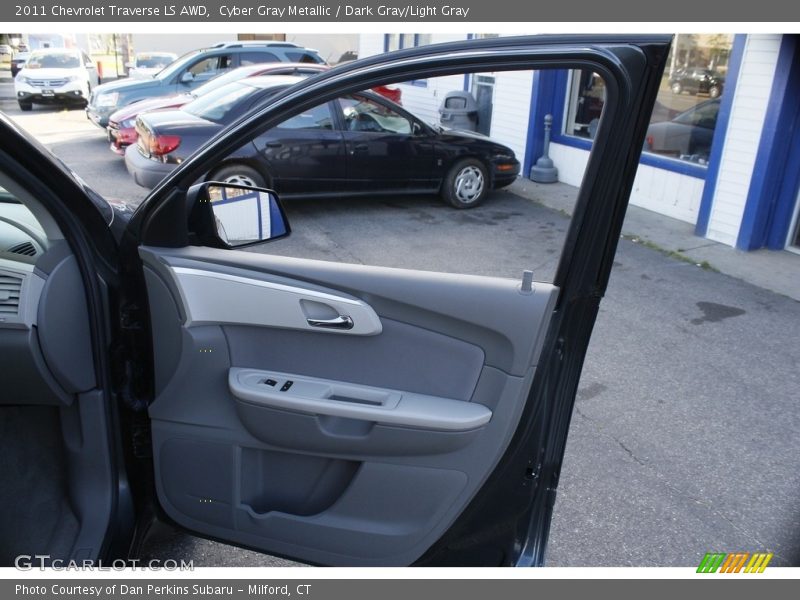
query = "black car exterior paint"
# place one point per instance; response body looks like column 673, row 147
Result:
column 507, row 522
column 344, row 161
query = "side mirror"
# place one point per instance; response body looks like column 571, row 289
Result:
column 187, row 77
column 417, row 129
column 130, row 65
column 227, row 215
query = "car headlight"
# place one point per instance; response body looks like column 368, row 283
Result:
column 107, row 99
column 22, row 79
column 73, row 78
column 127, row 123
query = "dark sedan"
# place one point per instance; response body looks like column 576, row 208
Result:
column 688, row 136
column 357, row 144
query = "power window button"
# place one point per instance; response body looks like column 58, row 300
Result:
column 286, row 385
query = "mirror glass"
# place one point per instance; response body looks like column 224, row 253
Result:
column 246, row 215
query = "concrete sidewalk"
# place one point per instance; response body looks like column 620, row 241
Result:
column 777, row 271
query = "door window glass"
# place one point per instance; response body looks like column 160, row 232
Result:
column 255, row 58
column 318, row 117
column 364, row 114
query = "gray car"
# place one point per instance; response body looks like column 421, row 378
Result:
column 688, row 136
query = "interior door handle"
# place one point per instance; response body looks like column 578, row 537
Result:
column 273, row 145
column 340, row 322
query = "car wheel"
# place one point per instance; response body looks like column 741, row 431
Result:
column 26, row 106
column 676, row 88
column 714, row 91
column 467, row 184
column 239, row 175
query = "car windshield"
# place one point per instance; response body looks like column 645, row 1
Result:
column 153, row 61
column 177, row 65
column 215, row 105
column 53, row 60
column 220, row 81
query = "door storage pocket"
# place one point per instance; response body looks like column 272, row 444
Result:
column 291, row 483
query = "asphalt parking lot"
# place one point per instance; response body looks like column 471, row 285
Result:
column 686, row 434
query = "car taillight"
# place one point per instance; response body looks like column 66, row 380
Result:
column 163, row 144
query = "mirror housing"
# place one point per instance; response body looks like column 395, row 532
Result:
column 187, row 77
column 227, row 215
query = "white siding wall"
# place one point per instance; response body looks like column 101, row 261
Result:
column 668, row 193
column 511, row 109
column 570, row 162
column 422, row 101
column 749, row 109
column 665, row 192
column 370, row 44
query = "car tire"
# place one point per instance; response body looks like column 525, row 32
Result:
column 714, row 91
column 25, row 106
column 466, row 184
column 239, row 174
column 676, row 88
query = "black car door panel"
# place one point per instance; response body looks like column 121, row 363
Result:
column 385, row 151
column 305, row 154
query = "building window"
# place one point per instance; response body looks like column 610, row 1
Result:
column 685, row 114
column 399, row 41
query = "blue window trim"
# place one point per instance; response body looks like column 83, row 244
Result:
column 718, row 141
column 543, row 99
column 549, row 97
column 651, row 160
column 416, row 82
column 776, row 172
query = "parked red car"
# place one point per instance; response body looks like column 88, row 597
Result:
column 121, row 132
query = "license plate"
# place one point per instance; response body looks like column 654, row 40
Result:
column 48, row 93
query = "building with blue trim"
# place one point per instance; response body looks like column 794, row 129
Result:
column 739, row 184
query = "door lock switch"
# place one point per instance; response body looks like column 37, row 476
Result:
column 286, row 385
